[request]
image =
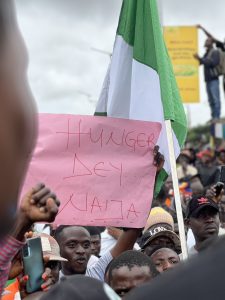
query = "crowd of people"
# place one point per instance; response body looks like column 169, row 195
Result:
column 101, row 262
column 107, row 262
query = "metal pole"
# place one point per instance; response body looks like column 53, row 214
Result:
column 176, row 190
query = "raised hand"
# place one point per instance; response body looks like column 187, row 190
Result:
column 39, row 205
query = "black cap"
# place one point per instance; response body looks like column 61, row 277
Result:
column 162, row 231
column 196, row 204
column 80, row 287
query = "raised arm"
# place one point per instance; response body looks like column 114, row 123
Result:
column 128, row 238
column 208, row 34
column 205, row 31
column 126, row 241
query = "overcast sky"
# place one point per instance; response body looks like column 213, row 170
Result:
column 66, row 73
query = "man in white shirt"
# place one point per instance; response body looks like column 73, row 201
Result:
column 75, row 246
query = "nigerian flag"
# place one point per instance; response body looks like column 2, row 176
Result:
column 140, row 83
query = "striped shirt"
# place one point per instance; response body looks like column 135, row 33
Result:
column 8, row 249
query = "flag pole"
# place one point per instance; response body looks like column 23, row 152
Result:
column 176, row 189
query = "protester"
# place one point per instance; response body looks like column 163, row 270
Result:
column 164, row 198
column 207, row 168
column 159, row 216
column 219, row 199
column 185, row 170
column 203, row 220
column 81, row 288
column 95, row 240
column 164, row 259
column 219, row 44
column 129, row 270
column 75, row 246
column 163, row 238
column 38, row 205
column 159, row 231
column 95, row 245
column 210, row 61
column 196, row 186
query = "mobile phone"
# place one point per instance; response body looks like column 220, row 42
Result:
column 33, row 264
column 219, row 186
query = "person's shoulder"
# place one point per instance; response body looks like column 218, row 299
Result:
column 216, row 51
column 192, row 251
column 107, row 256
column 101, row 262
column 93, row 260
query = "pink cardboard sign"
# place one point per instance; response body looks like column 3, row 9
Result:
column 100, row 168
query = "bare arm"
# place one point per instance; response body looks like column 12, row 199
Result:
column 126, row 241
column 17, row 114
column 207, row 33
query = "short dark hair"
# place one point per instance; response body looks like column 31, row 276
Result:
column 59, row 230
column 93, row 230
column 152, row 250
column 131, row 259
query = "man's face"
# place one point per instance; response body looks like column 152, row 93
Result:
column 95, row 245
column 75, row 246
column 208, row 42
column 165, row 259
column 206, row 224
column 125, row 279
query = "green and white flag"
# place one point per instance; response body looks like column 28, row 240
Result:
column 140, row 83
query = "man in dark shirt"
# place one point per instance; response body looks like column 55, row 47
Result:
column 220, row 45
column 210, row 61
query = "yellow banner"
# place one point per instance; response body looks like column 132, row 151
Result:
column 182, row 43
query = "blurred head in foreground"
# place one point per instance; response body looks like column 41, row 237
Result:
column 129, row 270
